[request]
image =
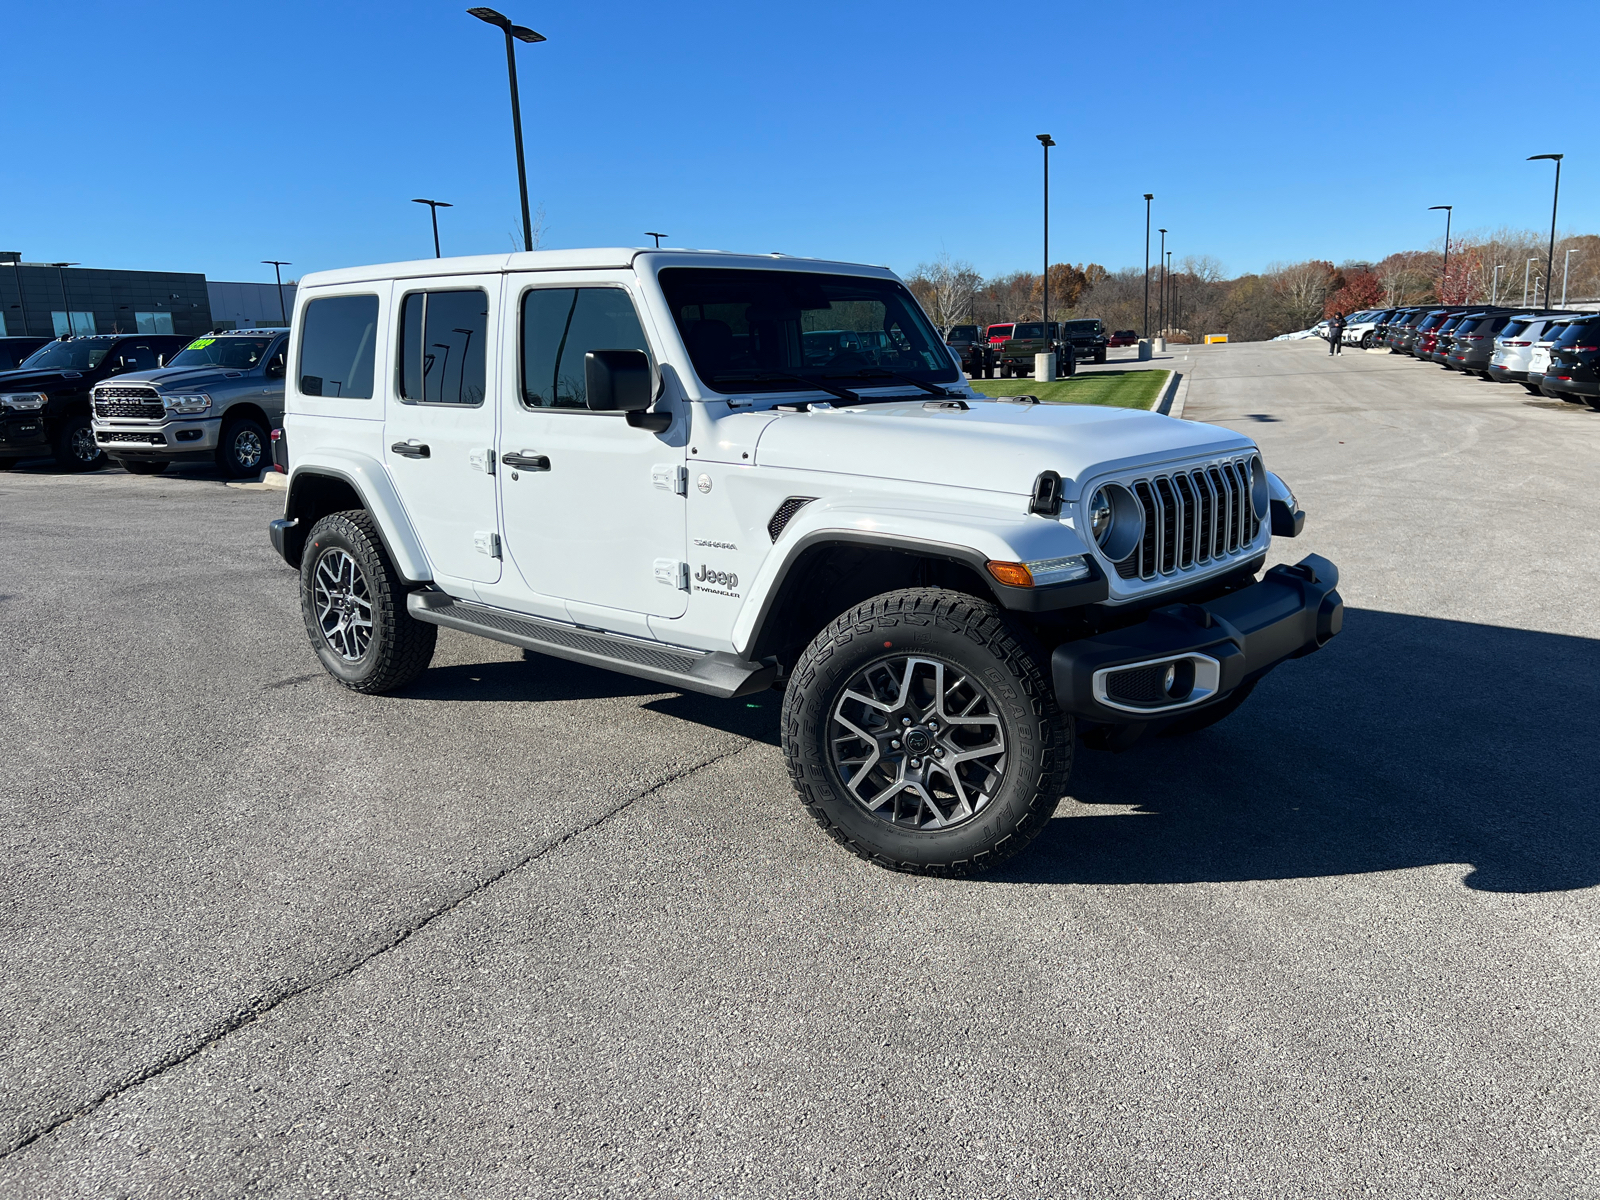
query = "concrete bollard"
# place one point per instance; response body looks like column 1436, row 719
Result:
column 1144, row 349
column 1044, row 368
column 1158, row 345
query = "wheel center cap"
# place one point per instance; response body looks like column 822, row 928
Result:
column 917, row 741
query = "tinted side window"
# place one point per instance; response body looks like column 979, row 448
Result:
column 560, row 326
column 337, row 344
column 442, row 337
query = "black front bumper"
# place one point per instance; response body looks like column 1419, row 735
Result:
column 1212, row 647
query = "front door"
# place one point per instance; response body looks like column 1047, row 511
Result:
column 594, row 513
column 439, row 426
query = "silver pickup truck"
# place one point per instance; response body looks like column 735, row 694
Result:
column 216, row 399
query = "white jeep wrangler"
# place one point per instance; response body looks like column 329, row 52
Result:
column 672, row 464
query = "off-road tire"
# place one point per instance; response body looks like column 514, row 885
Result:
column 143, row 466
column 1208, row 716
column 967, row 635
column 1100, row 355
column 400, row 647
column 241, row 438
column 72, row 443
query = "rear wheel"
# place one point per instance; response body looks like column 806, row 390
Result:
column 923, row 734
column 143, row 466
column 75, row 448
column 354, row 605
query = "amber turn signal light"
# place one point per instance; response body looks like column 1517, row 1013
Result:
column 1012, row 574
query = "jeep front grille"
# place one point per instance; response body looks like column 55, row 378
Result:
column 1192, row 518
column 141, row 403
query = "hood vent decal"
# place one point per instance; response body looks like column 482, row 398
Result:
column 785, row 514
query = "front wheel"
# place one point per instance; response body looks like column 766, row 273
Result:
column 75, row 448
column 922, row 733
column 242, row 448
column 354, row 605
column 1099, row 356
column 1366, row 341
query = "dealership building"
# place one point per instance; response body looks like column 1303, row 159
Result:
column 50, row 299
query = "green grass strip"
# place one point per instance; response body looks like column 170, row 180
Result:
column 1118, row 389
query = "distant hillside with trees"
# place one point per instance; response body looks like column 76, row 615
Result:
column 1283, row 298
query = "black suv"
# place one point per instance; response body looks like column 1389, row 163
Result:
column 44, row 404
column 1088, row 338
column 972, row 348
column 1574, row 371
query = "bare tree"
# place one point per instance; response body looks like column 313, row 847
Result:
column 946, row 289
column 1302, row 289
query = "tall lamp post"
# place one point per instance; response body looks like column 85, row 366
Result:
column 1526, row 267
column 1166, row 312
column 1566, row 265
column 433, row 211
column 66, row 303
column 1145, row 329
column 1444, row 273
column 1045, row 142
column 1161, row 288
column 1550, row 262
column 657, row 236
column 283, row 313
column 1494, row 292
column 522, row 34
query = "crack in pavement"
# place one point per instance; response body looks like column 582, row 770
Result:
column 248, row 1016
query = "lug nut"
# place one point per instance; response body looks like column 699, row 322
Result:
column 895, row 745
column 905, row 720
column 933, row 725
column 938, row 751
column 916, row 762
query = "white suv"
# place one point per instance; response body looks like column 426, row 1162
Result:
column 635, row 459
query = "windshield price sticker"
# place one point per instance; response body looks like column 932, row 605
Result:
column 199, row 343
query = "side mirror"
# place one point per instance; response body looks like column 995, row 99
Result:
column 617, row 380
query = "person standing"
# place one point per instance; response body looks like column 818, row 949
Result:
column 1336, row 334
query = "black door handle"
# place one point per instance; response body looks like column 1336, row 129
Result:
column 411, row 450
column 527, row 462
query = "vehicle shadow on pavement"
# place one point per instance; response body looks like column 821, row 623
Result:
column 1407, row 742
column 543, row 678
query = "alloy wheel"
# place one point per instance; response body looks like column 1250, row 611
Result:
column 247, row 449
column 82, row 445
column 344, row 604
column 917, row 743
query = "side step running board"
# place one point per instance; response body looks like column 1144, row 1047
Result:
column 714, row 674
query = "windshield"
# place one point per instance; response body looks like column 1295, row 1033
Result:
column 236, row 353
column 753, row 330
column 1080, row 327
column 1032, row 329
column 1000, row 331
column 81, row 355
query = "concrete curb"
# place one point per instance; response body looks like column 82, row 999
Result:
column 1170, row 401
column 270, row 481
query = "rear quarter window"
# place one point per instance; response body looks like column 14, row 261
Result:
column 338, row 343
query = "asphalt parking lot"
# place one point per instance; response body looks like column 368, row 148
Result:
column 530, row 929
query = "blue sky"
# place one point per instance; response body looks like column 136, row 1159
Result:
column 198, row 137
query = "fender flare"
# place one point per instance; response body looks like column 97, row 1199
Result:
column 770, row 582
column 371, row 482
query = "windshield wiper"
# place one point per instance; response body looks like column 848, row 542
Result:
column 932, row 389
column 814, row 381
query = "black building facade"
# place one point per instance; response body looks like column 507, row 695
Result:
column 47, row 301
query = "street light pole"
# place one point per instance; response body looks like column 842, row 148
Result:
column 1566, row 265
column 433, row 211
column 1161, row 288
column 1166, row 287
column 1494, row 292
column 522, row 34
column 1046, row 141
column 1550, row 262
column 1145, row 328
column 1444, row 273
column 283, row 313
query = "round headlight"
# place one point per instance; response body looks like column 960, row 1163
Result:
column 1100, row 516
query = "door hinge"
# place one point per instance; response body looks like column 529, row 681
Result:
column 481, row 460
column 486, row 542
column 670, row 478
column 673, row 573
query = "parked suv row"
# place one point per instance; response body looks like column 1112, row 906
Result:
column 1551, row 353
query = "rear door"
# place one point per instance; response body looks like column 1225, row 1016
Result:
column 439, row 420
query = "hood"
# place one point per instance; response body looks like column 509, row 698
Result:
column 45, row 381
column 178, row 379
column 992, row 446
